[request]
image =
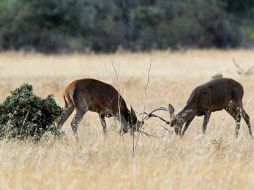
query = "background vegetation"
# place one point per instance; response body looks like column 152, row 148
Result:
column 98, row 25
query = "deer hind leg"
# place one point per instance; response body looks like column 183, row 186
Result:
column 186, row 126
column 76, row 120
column 247, row 121
column 69, row 107
column 103, row 124
column 238, row 120
column 235, row 111
column 238, row 107
column 206, row 120
column 66, row 114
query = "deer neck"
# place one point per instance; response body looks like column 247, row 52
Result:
column 187, row 112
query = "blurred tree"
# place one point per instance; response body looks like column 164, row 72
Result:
column 97, row 25
column 237, row 6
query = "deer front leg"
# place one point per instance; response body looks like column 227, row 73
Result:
column 186, row 126
column 103, row 124
column 123, row 123
column 206, row 120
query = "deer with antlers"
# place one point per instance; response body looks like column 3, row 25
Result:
column 215, row 95
column 93, row 95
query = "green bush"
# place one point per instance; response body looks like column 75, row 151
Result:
column 24, row 115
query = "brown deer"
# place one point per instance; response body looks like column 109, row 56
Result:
column 215, row 95
column 92, row 95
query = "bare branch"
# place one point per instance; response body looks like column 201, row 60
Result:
column 250, row 70
column 241, row 71
column 145, row 96
column 117, row 84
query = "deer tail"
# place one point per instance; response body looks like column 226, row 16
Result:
column 65, row 101
column 68, row 99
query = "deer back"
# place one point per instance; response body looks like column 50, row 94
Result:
column 215, row 95
column 95, row 96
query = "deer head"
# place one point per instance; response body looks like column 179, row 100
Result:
column 132, row 121
column 177, row 120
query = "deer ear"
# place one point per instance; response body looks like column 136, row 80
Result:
column 171, row 110
column 133, row 113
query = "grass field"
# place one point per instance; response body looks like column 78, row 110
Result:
column 214, row 161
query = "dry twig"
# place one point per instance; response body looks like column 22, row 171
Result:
column 117, row 84
column 143, row 116
column 241, row 71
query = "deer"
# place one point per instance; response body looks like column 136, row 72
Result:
column 88, row 94
column 214, row 95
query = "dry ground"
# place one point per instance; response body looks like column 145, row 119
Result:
column 214, row 161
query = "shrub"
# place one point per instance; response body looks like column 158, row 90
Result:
column 24, row 115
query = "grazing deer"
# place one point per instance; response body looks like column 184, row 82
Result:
column 215, row 95
column 96, row 96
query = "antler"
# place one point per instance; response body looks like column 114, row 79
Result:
column 157, row 109
column 154, row 115
column 149, row 135
column 151, row 114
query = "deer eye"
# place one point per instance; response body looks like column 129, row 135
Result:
column 181, row 119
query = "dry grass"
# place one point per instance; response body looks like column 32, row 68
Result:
column 215, row 161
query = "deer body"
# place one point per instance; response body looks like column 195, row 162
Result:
column 92, row 95
column 215, row 95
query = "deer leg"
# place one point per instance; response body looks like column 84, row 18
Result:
column 206, row 120
column 238, row 120
column 66, row 114
column 186, row 126
column 247, row 121
column 76, row 120
column 234, row 111
column 123, row 123
column 103, row 124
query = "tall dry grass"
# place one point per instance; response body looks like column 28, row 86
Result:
column 214, row 161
